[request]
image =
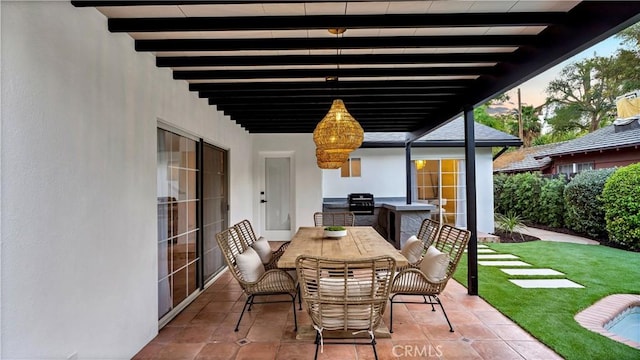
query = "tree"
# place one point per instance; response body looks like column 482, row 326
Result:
column 585, row 92
column 482, row 116
column 530, row 124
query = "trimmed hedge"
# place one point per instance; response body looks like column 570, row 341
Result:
column 621, row 201
column 551, row 211
column 584, row 209
column 520, row 195
column 534, row 198
column 498, row 186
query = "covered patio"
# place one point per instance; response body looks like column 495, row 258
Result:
column 95, row 94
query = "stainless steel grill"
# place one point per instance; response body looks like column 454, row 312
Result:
column 361, row 203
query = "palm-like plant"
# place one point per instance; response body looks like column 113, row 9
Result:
column 509, row 223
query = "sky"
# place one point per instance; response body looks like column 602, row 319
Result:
column 533, row 91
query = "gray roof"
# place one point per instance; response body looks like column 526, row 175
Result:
column 602, row 139
column 448, row 135
column 524, row 159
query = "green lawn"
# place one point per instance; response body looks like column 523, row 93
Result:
column 548, row 313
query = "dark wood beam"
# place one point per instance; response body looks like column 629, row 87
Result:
column 306, row 85
column 455, row 58
column 333, row 43
column 333, row 92
column 330, row 95
column 266, row 23
column 397, row 101
column 323, row 73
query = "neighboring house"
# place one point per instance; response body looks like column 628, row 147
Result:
column 611, row 146
column 524, row 160
column 438, row 171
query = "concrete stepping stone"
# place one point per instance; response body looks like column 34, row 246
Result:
column 480, row 246
column 484, row 251
column 546, row 283
column 505, row 263
column 531, row 272
column 496, row 256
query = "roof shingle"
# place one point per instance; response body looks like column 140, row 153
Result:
column 602, row 139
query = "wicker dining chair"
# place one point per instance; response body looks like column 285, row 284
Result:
column 247, row 234
column 429, row 279
column 267, row 282
column 349, row 296
column 428, row 231
column 334, row 219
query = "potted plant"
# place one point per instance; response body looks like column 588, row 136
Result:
column 335, row 231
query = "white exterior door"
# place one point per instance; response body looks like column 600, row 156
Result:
column 276, row 195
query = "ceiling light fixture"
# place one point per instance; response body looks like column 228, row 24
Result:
column 338, row 133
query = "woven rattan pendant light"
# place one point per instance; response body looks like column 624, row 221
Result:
column 337, row 134
column 331, row 160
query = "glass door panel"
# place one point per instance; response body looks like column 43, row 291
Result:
column 277, row 194
column 214, row 206
column 177, row 219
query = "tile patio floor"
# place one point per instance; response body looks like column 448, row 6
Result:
column 204, row 330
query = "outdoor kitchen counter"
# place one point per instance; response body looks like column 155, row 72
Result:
column 396, row 205
column 393, row 218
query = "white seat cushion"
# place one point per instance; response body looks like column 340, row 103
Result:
column 250, row 265
column 434, row 264
column 412, row 249
column 261, row 246
column 356, row 317
column 336, row 287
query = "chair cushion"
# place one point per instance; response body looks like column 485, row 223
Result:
column 250, row 265
column 434, row 264
column 354, row 317
column 335, row 287
column 261, row 246
column 412, row 249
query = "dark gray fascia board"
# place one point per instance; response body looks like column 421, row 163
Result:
column 443, row 143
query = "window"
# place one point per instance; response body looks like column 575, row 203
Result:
column 583, row 167
column 351, row 168
column 565, row 169
column 575, row 168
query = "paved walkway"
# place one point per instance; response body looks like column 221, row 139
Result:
column 558, row 237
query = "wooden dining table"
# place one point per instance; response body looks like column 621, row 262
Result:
column 359, row 243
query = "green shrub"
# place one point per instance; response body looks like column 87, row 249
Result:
column 584, row 210
column 519, row 194
column 508, row 192
column 621, row 201
column 527, row 201
column 498, row 184
column 551, row 209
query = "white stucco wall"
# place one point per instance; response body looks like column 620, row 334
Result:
column 78, row 243
column 384, row 175
column 307, row 175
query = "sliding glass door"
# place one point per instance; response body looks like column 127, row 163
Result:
column 442, row 183
column 192, row 203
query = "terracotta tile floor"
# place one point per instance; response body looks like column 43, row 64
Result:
column 204, row 330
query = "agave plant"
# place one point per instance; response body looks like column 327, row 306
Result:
column 509, row 223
